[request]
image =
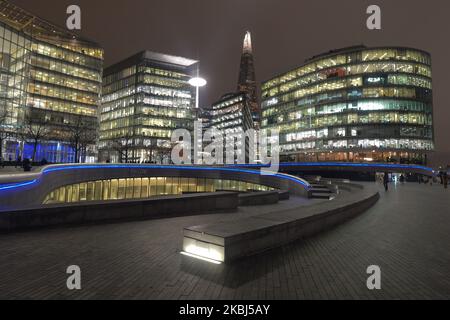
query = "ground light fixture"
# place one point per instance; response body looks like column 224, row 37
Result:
column 192, row 255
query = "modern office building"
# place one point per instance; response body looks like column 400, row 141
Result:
column 204, row 116
column 232, row 116
column 50, row 83
column 247, row 80
column 354, row 104
column 145, row 98
column 235, row 113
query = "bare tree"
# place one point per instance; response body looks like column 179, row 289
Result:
column 157, row 153
column 35, row 128
column 163, row 153
column 151, row 149
column 123, row 144
column 88, row 138
column 82, row 133
column 5, row 133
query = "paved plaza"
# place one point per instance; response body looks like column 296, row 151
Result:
column 407, row 234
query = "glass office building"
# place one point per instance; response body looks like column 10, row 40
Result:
column 145, row 98
column 237, row 112
column 354, row 104
column 50, row 83
column 232, row 116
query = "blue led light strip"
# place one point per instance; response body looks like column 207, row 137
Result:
column 121, row 166
column 17, row 185
column 339, row 164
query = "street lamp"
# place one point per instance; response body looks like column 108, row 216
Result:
column 197, row 82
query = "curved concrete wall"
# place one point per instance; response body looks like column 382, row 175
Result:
column 229, row 240
column 29, row 190
column 135, row 209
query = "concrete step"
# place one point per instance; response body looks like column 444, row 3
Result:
column 320, row 190
column 318, row 186
column 321, row 182
column 312, row 179
column 327, row 196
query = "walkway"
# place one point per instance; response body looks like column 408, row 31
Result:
column 407, row 233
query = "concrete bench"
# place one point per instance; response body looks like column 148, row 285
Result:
column 230, row 240
column 92, row 212
column 258, row 198
column 283, row 195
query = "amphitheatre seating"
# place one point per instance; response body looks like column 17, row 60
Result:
column 95, row 212
column 230, row 240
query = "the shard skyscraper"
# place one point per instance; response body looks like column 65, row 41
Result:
column 246, row 82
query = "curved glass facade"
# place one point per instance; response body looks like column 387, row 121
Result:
column 354, row 104
column 140, row 188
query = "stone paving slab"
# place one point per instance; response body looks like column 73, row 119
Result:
column 260, row 221
column 406, row 233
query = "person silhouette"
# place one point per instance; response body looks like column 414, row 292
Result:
column 386, row 181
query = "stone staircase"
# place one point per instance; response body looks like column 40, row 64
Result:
column 322, row 189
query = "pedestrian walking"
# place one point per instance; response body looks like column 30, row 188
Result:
column 445, row 179
column 386, row 181
column 19, row 162
column 26, row 165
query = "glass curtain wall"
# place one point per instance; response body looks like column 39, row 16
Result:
column 138, row 188
column 351, row 101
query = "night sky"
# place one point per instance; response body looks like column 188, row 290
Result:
column 284, row 34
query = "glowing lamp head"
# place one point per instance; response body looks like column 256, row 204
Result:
column 197, row 82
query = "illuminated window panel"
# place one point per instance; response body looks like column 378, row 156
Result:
column 52, row 75
column 386, row 87
column 147, row 98
column 142, row 188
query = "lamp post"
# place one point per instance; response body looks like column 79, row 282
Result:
column 197, row 82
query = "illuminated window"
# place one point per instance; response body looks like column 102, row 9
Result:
column 141, row 188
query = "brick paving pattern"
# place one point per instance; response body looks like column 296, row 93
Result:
column 407, row 233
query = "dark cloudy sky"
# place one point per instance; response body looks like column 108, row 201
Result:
column 284, row 32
